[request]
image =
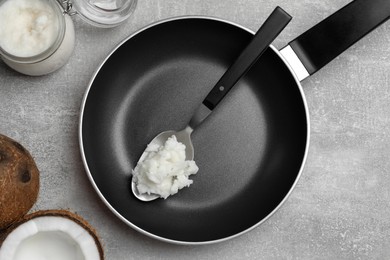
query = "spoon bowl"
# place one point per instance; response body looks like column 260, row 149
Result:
column 184, row 137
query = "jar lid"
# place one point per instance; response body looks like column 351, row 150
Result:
column 103, row 13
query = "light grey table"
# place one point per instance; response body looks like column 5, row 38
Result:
column 340, row 208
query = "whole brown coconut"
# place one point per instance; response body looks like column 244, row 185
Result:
column 19, row 181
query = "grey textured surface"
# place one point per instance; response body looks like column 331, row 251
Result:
column 340, row 207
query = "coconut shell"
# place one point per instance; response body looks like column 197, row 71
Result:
column 2, row 236
column 58, row 213
column 19, row 181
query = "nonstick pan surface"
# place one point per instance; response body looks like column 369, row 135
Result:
column 250, row 151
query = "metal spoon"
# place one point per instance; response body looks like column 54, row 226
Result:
column 260, row 42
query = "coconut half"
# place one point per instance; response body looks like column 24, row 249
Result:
column 54, row 235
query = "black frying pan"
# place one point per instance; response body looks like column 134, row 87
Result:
column 252, row 148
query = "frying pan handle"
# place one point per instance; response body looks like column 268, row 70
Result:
column 272, row 26
column 328, row 39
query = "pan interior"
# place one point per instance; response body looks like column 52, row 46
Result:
column 249, row 151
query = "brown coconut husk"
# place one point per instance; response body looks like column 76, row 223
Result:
column 19, row 181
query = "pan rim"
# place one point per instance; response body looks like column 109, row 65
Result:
column 96, row 188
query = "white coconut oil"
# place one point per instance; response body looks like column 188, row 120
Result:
column 164, row 170
column 36, row 37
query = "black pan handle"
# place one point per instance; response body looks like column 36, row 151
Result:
column 329, row 38
column 260, row 42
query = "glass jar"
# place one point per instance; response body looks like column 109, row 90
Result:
column 105, row 13
column 37, row 36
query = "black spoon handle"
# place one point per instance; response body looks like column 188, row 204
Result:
column 262, row 39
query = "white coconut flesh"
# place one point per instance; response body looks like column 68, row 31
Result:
column 49, row 238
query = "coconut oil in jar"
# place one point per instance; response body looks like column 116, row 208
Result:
column 36, row 36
